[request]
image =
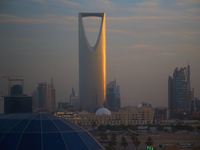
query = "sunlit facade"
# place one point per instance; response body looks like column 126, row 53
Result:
column 130, row 115
column 92, row 66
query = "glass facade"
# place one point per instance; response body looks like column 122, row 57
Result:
column 17, row 104
column 178, row 87
column 38, row 131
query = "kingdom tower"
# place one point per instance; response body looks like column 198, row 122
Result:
column 92, row 66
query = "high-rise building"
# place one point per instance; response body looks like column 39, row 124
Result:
column 179, row 91
column 72, row 94
column 92, row 66
column 17, row 104
column 74, row 100
column 1, row 104
column 113, row 95
column 46, row 96
column 16, row 90
column 53, row 96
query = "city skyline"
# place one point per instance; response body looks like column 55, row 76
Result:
column 146, row 40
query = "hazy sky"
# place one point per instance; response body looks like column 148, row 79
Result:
column 146, row 41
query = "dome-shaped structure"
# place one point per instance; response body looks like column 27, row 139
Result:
column 102, row 111
column 39, row 131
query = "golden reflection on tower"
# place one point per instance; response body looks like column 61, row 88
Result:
column 92, row 66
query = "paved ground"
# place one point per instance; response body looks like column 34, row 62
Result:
column 160, row 139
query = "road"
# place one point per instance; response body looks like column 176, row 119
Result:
column 160, row 139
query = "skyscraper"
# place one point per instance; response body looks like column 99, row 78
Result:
column 113, row 95
column 179, row 91
column 92, row 66
column 46, row 96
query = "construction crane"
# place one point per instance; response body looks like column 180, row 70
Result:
column 8, row 77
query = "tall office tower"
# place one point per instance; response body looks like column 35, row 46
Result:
column 16, row 90
column 113, row 96
column 179, row 91
column 92, row 66
column 46, row 96
column 71, row 95
column 53, row 96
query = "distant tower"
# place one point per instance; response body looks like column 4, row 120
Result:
column 16, row 89
column 113, row 95
column 72, row 95
column 92, row 66
column 179, row 91
column 46, row 96
column 53, row 96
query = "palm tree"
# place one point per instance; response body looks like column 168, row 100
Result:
column 112, row 141
column 113, row 137
column 124, row 143
column 133, row 136
column 149, row 141
column 103, row 136
column 136, row 142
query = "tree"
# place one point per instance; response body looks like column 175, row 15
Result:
column 198, row 128
column 101, row 128
column 136, row 142
column 124, row 143
column 112, row 142
column 103, row 136
column 133, row 136
column 149, row 141
column 113, row 137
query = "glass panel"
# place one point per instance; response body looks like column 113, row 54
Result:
column 90, row 142
column 20, row 116
column 62, row 126
column 32, row 115
column 73, row 141
column 6, row 125
column 30, row 141
column 37, row 117
column 10, row 141
column 20, row 126
column 5, row 116
column 48, row 126
column 53, row 141
column 44, row 117
column 73, row 126
column 1, row 136
column 52, row 117
column 34, row 126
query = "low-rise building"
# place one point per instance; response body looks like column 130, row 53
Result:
column 134, row 115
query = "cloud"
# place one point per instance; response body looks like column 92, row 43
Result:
column 146, row 47
column 20, row 40
column 101, row 6
column 148, row 4
column 91, row 30
column 115, row 31
column 165, row 54
column 187, row 2
column 58, row 2
column 187, row 48
column 50, row 19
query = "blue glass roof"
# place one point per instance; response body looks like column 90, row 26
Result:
column 39, row 131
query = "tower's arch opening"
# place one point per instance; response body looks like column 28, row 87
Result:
column 92, row 26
